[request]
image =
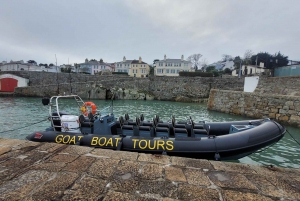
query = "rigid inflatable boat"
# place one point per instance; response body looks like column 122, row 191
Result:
column 206, row 140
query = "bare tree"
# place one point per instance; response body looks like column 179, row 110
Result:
column 204, row 64
column 247, row 56
column 227, row 57
column 194, row 58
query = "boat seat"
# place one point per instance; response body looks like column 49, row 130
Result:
column 162, row 132
column 165, row 125
column 145, row 131
column 199, row 133
column 180, row 132
column 199, row 126
column 128, row 130
column 179, row 126
column 146, row 123
column 131, row 123
column 84, row 122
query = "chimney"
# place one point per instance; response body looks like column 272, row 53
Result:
column 124, row 59
column 182, row 57
column 86, row 60
column 165, row 57
column 140, row 59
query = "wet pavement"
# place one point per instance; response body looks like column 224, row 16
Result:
column 49, row 171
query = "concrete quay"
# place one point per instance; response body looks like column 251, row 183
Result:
column 49, row 171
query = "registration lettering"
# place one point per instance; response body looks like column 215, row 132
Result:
column 67, row 139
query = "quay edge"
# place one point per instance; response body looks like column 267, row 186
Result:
column 32, row 170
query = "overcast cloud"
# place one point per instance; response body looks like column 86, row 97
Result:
column 94, row 29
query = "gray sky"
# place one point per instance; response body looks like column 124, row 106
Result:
column 94, row 29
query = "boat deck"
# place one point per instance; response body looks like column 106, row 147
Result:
column 49, row 171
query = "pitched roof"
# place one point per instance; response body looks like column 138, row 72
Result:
column 137, row 62
column 174, row 60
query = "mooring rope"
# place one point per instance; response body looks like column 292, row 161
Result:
column 24, row 126
column 293, row 137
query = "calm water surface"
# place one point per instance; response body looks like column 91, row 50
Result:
column 22, row 116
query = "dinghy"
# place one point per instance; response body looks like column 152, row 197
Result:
column 88, row 126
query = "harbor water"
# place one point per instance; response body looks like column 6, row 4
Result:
column 21, row 116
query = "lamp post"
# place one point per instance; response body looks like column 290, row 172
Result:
column 240, row 71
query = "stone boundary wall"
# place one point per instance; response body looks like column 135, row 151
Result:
column 184, row 89
column 279, row 85
column 284, row 109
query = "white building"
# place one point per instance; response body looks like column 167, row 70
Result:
column 249, row 70
column 93, row 66
column 18, row 66
column 172, row 67
column 123, row 66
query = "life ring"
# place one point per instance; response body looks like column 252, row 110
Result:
column 84, row 109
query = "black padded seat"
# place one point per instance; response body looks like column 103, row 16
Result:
column 179, row 126
column 198, row 126
column 165, row 125
column 162, row 132
column 145, row 131
column 128, row 130
column 84, row 122
column 131, row 123
column 180, row 132
column 146, row 123
column 199, row 133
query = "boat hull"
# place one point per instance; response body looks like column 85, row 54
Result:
column 214, row 147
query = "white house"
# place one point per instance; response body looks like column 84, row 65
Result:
column 93, row 66
column 123, row 66
column 172, row 67
column 249, row 70
column 19, row 65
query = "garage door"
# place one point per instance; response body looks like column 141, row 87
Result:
column 8, row 84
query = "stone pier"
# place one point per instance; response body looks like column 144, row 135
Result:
column 49, row 171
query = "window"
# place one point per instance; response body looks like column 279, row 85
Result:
column 160, row 70
column 167, row 71
column 185, row 64
column 172, row 70
column 177, row 71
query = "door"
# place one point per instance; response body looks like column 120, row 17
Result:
column 8, row 84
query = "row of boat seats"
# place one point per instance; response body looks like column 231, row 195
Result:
column 159, row 129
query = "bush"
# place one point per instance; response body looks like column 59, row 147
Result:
column 195, row 74
column 120, row 73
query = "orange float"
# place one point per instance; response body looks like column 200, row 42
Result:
column 84, row 109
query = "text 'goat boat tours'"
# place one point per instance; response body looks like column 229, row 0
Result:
column 206, row 140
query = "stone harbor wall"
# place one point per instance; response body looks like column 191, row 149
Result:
column 279, row 85
column 282, row 108
column 183, row 89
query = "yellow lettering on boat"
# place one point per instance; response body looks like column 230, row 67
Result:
column 140, row 144
column 79, row 137
column 160, row 143
column 117, row 140
column 154, row 144
column 102, row 144
column 73, row 139
column 109, row 142
column 68, row 138
column 94, row 141
column 170, row 145
column 134, row 142
column 58, row 138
